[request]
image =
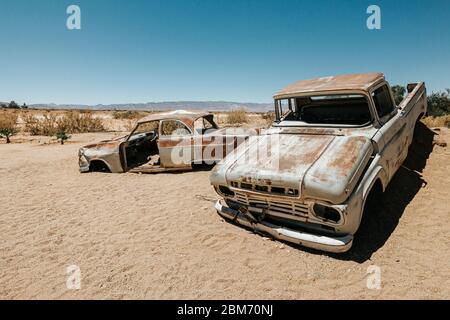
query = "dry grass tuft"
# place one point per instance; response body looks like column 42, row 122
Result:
column 40, row 126
column 127, row 115
column 268, row 117
column 237, row 116
column 442, row 121
column 72, row 122
column 128, row 125
column 76, row 122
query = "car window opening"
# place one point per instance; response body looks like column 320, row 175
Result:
column 350, row 109
column 205, row 124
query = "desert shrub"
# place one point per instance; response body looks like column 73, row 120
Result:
column 118, row 115
column 71, row 122
column 76, row 122
column 8, row 125
column 399, row 93
column 443, row 121
column 13, row 105
column 129, row 124
column 44, row 126
column 237, row 116
column 62, row 136
column 31, row 124
column 439, row 103
column 268, row 117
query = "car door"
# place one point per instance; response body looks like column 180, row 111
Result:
column 126, row 147
column 392, row 140
column 209, row 141
column 175, row 144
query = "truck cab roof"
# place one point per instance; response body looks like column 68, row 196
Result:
column 338, row 83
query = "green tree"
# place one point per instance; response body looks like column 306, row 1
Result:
column 399, row 93
column 8, row 125
column 13, row 105
column 439, row 103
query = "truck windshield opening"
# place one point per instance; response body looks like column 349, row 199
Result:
column 327, row 110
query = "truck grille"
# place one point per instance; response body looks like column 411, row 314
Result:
column 265, row 188
column 288, row 207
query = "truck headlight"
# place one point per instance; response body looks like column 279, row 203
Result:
column 326, row 212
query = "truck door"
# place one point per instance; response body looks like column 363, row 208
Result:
column 175, row 144
column 392, row 142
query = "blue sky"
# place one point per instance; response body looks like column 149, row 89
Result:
column 167, row 50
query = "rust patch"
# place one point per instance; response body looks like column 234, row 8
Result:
column 310, row 153
column 346, row 157
column 312, row 131
column 174, row 142
column 103, row 145
column 189, row 116
column 361, row 81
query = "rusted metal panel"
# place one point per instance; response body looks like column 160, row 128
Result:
column 320, row 166
column 186, row 116
column 361, row 81
column 333, row 177
column 175, row 151
column 277, row 160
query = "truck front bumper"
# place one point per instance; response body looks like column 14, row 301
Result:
column 319, row 242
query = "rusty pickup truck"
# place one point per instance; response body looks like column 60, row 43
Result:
column 164, row 142
column 307, row 178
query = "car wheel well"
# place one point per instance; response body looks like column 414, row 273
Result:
column 372, row 198
column 98, row 166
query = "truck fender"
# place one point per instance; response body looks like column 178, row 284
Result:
column 377, row 174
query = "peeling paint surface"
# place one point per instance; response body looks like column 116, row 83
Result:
column 341, row 82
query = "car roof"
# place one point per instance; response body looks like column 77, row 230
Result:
column 357, row 81
column 183, row 115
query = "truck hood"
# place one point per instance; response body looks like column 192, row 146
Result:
column 319, row 166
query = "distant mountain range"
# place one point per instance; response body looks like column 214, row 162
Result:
column 169, row 105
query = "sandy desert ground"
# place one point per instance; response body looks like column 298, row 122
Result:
column 159, row 237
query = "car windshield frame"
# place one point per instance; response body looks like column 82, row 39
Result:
column 133, row 132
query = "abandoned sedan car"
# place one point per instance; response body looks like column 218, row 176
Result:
column 161, row 142
column 335, row 139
